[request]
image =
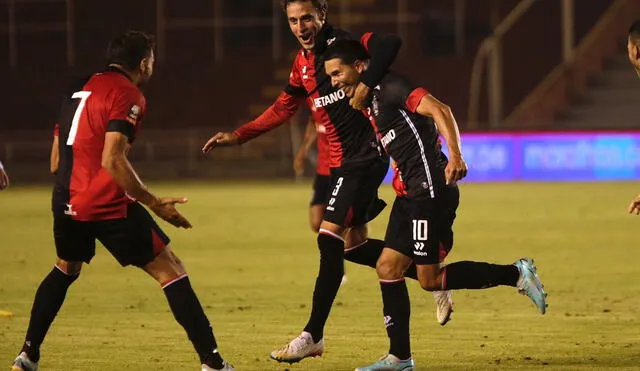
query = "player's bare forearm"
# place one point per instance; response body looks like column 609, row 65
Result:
column 445, row 122
column 55, row 156
column 115, row 162
column 310, row 136
column 448, row 127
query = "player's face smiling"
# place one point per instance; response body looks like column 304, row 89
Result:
column 341, row 74
column 305, row 22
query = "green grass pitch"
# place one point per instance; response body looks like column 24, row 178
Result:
column 252, row 260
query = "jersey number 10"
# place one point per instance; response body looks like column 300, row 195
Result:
column 83, row 96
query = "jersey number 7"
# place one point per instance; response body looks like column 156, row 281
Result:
column 83, row 96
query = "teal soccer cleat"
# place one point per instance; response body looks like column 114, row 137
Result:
column 529, row 284
column 390, row 363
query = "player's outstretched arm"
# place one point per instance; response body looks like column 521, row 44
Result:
column 278, row 113
column 4, row 178
column 115, row 162
column 634, row 207
column 309, row 139
column 448, row 127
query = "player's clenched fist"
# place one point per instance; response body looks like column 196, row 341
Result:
column 220, row 140
column 165, row 208
column 456, row 169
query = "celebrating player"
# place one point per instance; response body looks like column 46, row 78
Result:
column 357, row 166
column 420, row 224
column 98, row 195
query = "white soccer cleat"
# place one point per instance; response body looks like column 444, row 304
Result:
column 23, row 363
column 298, row 349
column 344, row 280
column 444, row 306
column 226, row 367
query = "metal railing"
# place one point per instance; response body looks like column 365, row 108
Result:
column 490, row 49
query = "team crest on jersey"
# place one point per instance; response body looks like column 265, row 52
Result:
column 374, row 105
column 134, row 114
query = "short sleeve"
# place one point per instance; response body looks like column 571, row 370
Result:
column 126, row 112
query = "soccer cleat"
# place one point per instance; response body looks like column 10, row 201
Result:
column 23, row 363
column 298, row 349
column 226, row 367
column 529, row 284
column 344, row 280
column 444, row 308
column 390, row 363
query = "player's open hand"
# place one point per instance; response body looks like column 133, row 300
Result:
column 220, row 140
column 360, row 96
column 4, row 179
column 634, row 207
column 165, row 208
column 456, row 169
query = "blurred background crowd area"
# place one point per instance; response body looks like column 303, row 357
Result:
column 502, row 65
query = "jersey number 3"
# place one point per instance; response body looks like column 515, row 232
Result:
column 83, row 96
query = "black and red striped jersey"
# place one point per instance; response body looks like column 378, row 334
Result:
column 106, row 101
column 408, row 137
column 352, row 140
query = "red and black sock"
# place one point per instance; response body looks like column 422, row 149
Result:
column 327, row 283
column 396, row 311
column 188, row 312
column 47, row 303
column 475, row 275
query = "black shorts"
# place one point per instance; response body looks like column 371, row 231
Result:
column 353, row 195
column 422, row 227
column 135, row 240
column 321, row 185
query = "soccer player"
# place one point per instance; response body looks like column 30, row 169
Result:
column 633, row 50
column 420, row 224
column 4, row 178
column 322, row 180
column 98, row 195
column 357, row 166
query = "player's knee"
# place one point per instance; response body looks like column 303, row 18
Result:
column 389, row 269
column 165, row 267
column 69, row 268
column 429, row 284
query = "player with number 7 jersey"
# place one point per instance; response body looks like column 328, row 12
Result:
column 105, row 102
column 99, row 120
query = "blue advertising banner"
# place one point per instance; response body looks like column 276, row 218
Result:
column 575, row 156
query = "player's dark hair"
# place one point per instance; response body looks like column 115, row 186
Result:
column 320, row 5
column 348, row 51
column 634, row 31
column 130, row 48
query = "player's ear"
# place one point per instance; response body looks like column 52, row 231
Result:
column 323, row 15
column 144, row 63
column 359, row 66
